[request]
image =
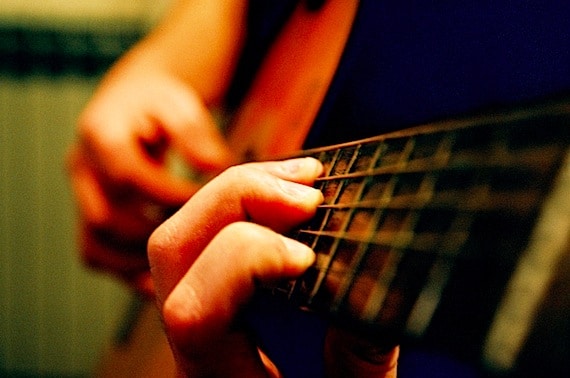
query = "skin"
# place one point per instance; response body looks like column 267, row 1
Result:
column 226, row 237
column 209, row 258
column 155, row 101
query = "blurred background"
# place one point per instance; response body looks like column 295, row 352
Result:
column 55, row 316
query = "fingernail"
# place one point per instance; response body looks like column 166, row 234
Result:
column 298, row 190
column 303, row 255
column 295, row 165
column 292, row 165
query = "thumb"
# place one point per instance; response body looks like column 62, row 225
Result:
column 202, row 144
column 194, row 133
column 201, row 314
column 349, row 355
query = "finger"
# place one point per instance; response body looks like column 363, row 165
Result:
column 128, row 214
column 200, row 313
column 252, row 192
column 347, row 355
column 137, row 169
column 300, row 170
column 86, row 188
column 274, row 194
column 192, row 130
column 128, row 263
column 120, row 157
column 100, row 251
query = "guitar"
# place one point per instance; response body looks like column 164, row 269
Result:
column 453, row 235
column 441, row 235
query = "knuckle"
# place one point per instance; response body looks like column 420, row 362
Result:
column 160, row 243
column 245, row 234
column 253, row 244
column 238, row 173
column 249, row 182
column 182, row 313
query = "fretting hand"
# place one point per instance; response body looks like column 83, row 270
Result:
column 209, row 258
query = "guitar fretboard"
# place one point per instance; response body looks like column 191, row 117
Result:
column 421, row 230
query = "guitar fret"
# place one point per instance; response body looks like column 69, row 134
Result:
column 329, row 166
column 363, row 244
column 517, row 202
column 360, row 254
column 404, row 211
column 430, row 296
column 451, row 242
column 332, row 253
column 527, row 160
column 335, row 194
column 377, row 295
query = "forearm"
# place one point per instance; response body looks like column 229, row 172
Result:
column 197, row 42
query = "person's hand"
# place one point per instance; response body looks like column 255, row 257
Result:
column 119, row 170
column 209, row 258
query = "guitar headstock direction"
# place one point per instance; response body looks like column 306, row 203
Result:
column 452, row 236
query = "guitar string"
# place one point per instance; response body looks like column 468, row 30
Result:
column 520, row 202
column 504, row 159
column 295, row 285
column 362, row 245
column 382, row 283
column 358, row 204
column 552, row 113
column 392, row 255
column 429, row 298
column 440, row 200
column 525, row 160
column 333, row 250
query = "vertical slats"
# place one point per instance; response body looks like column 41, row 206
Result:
column 6, row 239
column 55, row 315
column 22, row 211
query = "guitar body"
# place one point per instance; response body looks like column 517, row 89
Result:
column 284, row 99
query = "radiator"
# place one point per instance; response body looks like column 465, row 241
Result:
column 55, row 316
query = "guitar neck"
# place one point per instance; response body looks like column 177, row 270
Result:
column 422, row 231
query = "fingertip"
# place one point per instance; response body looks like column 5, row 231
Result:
column 300, row 191
column 349, row 354
column 301, row 255
column 176, row 316
column 314, row 166
column 303, row 170
column 163, row 186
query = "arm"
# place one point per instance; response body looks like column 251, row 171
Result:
column 198, row 42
